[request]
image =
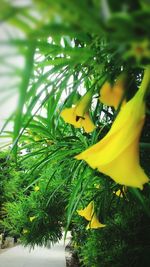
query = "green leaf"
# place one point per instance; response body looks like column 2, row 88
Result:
column 22, row 91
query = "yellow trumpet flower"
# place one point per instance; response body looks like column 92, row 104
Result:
column 139, row 50
column 78, row 115
column 112, row 95
column 87, row 212
column 117, row 154
column 94, row 223
column 32, row 218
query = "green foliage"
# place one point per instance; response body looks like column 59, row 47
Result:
column 36, row 219
column 123, row 242
column 11, row 178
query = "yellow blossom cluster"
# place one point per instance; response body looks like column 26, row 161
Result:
column 117, row 154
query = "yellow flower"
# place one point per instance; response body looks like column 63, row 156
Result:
column 36, row 188
column 97, row 186
column 32, row 218
column 112, row 95
column 139, row 50
column 117, row 154
column 94, row 223
column 25, row 231
column 120, row 193
column 78, row 115
column 89, row 215
column 37, row 137
column 87, row 212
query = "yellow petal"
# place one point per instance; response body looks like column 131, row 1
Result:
column 78, row 115
column 69, row 116
column 118, row 193
column 83, row 104
column 125, row 169
column 112, row 95
column 117, row 154
column 87, row 124
column 87, row 212
column 94, row 223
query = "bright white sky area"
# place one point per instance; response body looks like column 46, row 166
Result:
column 10, row 62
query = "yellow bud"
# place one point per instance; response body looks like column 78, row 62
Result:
column 36, row 188
column 25, row 231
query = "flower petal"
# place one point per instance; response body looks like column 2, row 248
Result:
column 87, row 212
column 94, row 223
column 112, row 95
column 88, row 124
column 69, row 116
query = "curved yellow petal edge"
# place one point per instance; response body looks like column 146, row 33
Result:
column 78, row 115
column 94, row 223
column 87, row 212
column 112, row 95
column 117, row 154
